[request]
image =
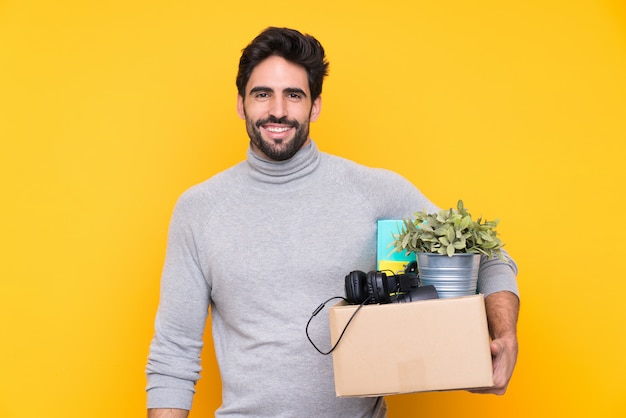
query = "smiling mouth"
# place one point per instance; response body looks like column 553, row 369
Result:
column 277, row 129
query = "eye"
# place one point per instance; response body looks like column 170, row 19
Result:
column 262, row 95
column 294, row 96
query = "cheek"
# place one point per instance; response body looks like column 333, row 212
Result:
column 254, row 111
column 300, row 113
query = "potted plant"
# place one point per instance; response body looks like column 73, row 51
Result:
column 448, row 247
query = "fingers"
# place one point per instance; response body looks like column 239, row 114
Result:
column 504, row 359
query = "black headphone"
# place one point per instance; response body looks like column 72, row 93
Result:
column 378, row 287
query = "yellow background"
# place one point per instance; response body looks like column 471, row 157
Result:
column 109, row 110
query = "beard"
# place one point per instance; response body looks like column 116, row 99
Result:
column 278, row 150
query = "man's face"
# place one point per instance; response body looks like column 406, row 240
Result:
column 277, row 108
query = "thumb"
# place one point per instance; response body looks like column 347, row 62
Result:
column 496, row 348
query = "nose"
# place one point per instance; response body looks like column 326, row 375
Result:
column 279, row 107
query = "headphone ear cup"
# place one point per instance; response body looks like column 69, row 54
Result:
column 356, row 289
column 377, row 287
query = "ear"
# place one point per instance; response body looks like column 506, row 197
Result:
column 240, row 110
column 316, row 109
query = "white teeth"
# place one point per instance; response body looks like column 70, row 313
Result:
column 277, row 130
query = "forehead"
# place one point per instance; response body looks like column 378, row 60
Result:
column 278, row 74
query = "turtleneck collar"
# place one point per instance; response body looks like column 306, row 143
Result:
column 302, row 164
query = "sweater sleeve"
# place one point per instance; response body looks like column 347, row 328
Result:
column 496, row 275
column 174, row 359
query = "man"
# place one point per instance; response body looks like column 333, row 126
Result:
column 264, row 242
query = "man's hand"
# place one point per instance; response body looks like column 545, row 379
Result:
column 167, row 413
column 502, row 312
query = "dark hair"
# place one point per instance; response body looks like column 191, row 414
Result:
column 303, row 50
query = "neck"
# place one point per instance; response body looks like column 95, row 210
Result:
column 303, row 163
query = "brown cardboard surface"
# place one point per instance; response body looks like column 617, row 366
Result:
column 431, row 345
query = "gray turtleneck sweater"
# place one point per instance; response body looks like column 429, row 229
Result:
column 263, row 244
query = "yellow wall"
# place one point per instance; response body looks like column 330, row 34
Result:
column 109, row 110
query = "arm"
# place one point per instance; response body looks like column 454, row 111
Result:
column 502, row 312
column 167, row 413
column 174, row 358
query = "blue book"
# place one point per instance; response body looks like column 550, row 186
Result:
column 387, row 258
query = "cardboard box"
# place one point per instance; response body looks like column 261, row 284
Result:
column 386, row 258
column 430, row 345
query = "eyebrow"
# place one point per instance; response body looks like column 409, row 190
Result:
column 263, row 89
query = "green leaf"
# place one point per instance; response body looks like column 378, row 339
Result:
column 465, row 222
column 450, row 234
column 441, row 231
column 459, row 245
column 426, row 228
column 485, row 236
